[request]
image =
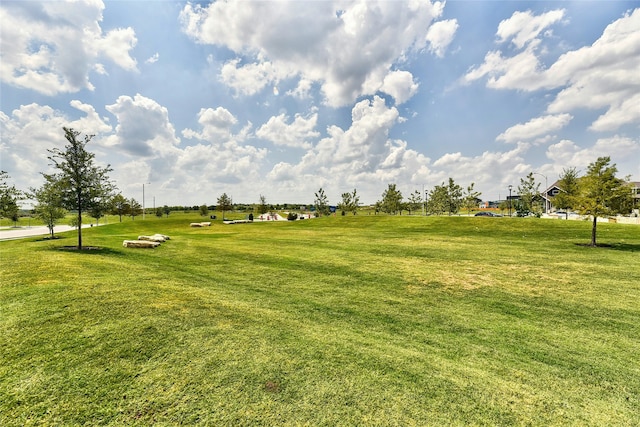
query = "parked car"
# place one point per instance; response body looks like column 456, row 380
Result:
column 487, row 213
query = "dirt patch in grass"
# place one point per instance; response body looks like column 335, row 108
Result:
column 272, row 387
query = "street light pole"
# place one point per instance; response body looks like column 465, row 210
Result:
column 546, row 188
column 510, row 187
column 143, row 199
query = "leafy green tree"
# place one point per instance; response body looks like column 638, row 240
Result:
column 263, row 208
column 454, row 197
column 166, row 210
column 471, row 198
column 119, row 205
column 135, row 208
column 49, row 206
column 224, row 203
column 569, row 189
column 415, row 201
column 391, row 200
column 9, row 198
column 345, row 204
column 83, row 184
column 349, row 203
column 503, row 206
column 99, row 210
column 602, row 193
column 159, row 212
column 530, row 199
column 438, row 200
column 203, row 210
column 321, row 203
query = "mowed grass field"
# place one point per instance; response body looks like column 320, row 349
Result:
column 338, row 321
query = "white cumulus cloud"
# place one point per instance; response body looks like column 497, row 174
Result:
column 534, row 128
column 440, row 35
column 348, row 48
column 44, row 50
column 601, row 76
column 523, row 27
column 295, row 134
column 144, row 128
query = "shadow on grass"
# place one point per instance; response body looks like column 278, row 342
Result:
column 48, row 239
column 625, row 247
column 90, row 250
column 73, row 248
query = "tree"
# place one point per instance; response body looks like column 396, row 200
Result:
column 454, row 197
column 96, row 212
column 601, row 193
column 204, row 210
column 392, row 200
column 9, row 197
column 445, row 198
column 349, row 203
column 438, row 200
column 159, row 212
column 415, row 201
column 224, row 203
column 49, row 206
column 529, row 193
column 345, row 204
column 355, row 202
column 119, row 205
column 166, row 210
column 135, row 208
column 83, row 184
column 321, row 203
column 569, row 189
column 471, row 198
column 263, row 208
column 503, row 206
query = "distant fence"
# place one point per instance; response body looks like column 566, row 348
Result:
column 628, row 220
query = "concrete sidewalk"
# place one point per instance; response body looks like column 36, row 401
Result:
column 12, row 233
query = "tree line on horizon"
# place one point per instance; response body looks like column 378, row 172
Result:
column 80, row 186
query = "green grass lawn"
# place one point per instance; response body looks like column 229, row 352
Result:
column 365, row 320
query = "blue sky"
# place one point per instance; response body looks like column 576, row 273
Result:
column 281, row 98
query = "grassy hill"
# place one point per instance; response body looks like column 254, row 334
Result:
column 365, row 320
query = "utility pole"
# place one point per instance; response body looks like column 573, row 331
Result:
column 143, row 200
column 546, row 188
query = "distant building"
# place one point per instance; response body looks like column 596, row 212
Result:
column 548, row 196
column 635, row 191
column 554, row 190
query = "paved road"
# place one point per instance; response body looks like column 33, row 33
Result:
column 11, row 233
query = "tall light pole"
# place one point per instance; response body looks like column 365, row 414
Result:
column 510, row 187
column 143, row 199
column 546, row 187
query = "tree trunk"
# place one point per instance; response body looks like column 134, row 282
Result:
column 593, row 231
column 79, row 229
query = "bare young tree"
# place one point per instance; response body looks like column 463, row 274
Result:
column 321, row 203
column 224, row 203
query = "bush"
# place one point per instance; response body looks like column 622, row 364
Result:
column 292, row 216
